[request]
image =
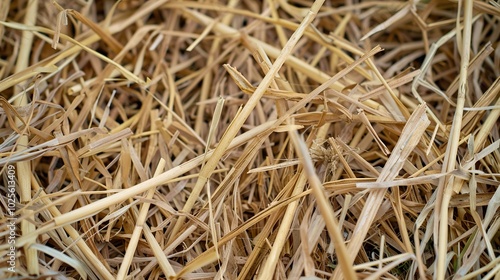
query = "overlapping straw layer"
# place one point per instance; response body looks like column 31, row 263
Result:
column 250, row 139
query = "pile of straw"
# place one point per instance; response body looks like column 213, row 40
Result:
column 250, row 139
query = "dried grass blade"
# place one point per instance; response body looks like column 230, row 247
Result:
column 373, row 132
column 324, row 206
column 408, row 140
column 446, row 185
column 127, row 74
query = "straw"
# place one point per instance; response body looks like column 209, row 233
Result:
column 249, row 139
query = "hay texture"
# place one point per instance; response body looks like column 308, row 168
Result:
column 249, row 139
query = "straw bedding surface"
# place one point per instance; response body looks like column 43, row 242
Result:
column 250, row 139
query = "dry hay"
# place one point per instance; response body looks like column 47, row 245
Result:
column 250, row 139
